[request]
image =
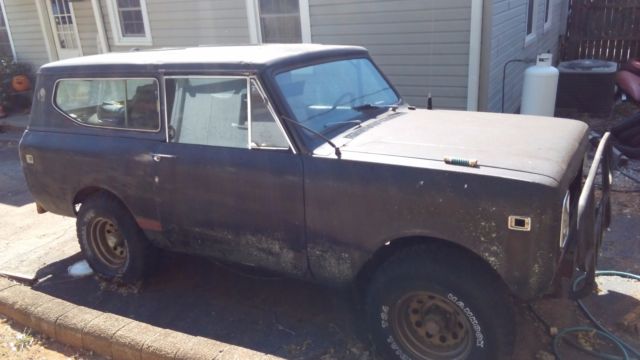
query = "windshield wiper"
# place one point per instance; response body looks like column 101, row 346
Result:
column 367, row 107
column 326, row 139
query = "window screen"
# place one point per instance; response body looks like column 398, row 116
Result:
column 115, row 103
column 547, row 13
column 280, row 21
column 209, row 111
column 131, row 18
column 530, row 10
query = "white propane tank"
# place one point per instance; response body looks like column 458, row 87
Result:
column 540, row 88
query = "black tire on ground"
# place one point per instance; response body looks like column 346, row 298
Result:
column 436, row 302
column 112, row 242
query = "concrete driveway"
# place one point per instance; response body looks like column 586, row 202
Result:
column 247, row 309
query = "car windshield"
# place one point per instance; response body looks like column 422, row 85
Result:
column 328, row 96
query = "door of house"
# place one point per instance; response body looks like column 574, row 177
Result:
column 64, row 28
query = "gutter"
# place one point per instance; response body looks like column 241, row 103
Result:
column 102, row 36
column 475, row 52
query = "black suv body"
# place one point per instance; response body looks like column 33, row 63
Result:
column 304, row 159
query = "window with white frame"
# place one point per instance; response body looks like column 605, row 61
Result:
column 547, row 14
column 280, row 21
column 531, row 22
column 130, row 22
column 6, row 45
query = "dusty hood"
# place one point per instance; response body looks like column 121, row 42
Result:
column 532, row 144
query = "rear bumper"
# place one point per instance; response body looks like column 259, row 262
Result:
column 579, row 257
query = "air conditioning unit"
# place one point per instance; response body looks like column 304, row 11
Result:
column 586, row 86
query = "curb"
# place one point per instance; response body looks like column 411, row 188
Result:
column 107, row 334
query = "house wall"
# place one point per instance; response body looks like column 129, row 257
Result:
column 422, row 46
column 87, row 30
column 508, row 32
column 26, row 32
column 190, row 23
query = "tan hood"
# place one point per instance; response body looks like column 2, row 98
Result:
column 532, row 144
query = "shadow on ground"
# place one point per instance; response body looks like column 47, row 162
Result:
column 255, row 310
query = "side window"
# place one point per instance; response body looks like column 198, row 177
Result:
column 209, row 111
column 264, row 129
column 114, row 103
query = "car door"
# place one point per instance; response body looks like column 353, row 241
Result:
column 228, row 182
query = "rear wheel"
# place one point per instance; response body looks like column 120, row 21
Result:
column 111, row 241
column 432, row 302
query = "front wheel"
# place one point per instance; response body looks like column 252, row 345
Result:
column 436, row 303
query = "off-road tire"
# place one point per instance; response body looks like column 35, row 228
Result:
column 446, row 275
column 140, row 256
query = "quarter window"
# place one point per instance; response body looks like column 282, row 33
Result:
column 113, row 103
column 264, row 129
column 129, row 22
column 280, row 21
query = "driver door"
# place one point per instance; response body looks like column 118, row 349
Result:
column 229, row 185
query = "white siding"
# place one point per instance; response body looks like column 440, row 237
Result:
column 191, row 23
column 508, row 42
column 27, row 35
column 422, row 46
column 87, row 29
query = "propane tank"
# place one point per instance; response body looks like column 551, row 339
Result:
column 540, row 87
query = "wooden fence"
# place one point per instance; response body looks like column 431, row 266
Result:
column 603, row 29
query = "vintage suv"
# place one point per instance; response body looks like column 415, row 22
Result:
column 304, row 159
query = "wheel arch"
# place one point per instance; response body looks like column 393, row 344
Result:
column 393, row 247
column 88, row 191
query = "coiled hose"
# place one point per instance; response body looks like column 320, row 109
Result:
column 599, row 329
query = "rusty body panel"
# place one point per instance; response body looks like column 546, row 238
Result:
column 305, row 212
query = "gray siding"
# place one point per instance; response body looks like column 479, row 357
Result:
column 422, row 46
column 191, row 23
column 26, row 32
column 87, row 29
column 508, row 42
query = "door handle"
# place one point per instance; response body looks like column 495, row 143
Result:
column 158, row 157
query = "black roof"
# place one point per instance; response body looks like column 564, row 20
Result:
column 242, row 56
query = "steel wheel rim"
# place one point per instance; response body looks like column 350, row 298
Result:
column 108, row 243
column 431, row 327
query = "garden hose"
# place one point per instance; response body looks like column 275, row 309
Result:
column 599, row 329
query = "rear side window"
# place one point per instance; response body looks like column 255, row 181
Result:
column 113, row 103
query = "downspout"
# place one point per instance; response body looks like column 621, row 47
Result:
column 475, row 52
column 102, row 35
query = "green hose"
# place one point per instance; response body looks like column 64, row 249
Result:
column 600, row 330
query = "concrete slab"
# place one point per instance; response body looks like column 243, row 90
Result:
column 14, row 122
column 97, row 335
column 6, row 283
